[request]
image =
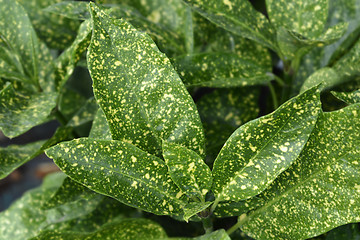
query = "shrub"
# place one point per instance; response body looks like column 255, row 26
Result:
column 209, row 119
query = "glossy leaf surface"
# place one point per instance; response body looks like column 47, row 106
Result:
column 140, row 93
column 348, row 97
column 257, row 152
column 188, row 170
column 120, row 170
column 322, row 182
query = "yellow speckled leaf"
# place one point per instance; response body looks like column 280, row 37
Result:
column 140, row 93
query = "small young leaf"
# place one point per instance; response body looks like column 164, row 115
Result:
column 140, row 93
column 126, row 229
column 120, row 170
column 14, row 156
column 19, row 113
column 257, row 152
column 187, row 169
column 322, row 182
column 220, row 70
column 348, row 97
column 238, row 17
column 327, row 77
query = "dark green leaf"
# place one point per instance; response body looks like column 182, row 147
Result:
column 348, row 97
column 125, row 229
column 220, row 70
column 239, row 17
column 322, row 182
column 14, row 156
column 223, row 111
column 120, row 170
column 56, row 31
column 257, row 152
column 70, row 9
column 327, row 77
column 137, row 88
column 216, row 235
column 188, row 170
column 19, row 113
column 84, row 114
column 349, row 232
column 349, row 65
column 100, row 127
column 194, row 208
column 66, row 62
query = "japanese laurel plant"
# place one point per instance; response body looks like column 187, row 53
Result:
column 219, row 119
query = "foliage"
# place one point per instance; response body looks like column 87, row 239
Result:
column 202, row 112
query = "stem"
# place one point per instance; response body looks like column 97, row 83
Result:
column 207, row 225
column 60, row 117
column 212, row 209
column 273, row 95
column 240, row 222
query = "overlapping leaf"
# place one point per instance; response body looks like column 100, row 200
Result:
column 56, row 31
column 257, row 152
column 322, row 182
column 127, row 229
column 100, row 127
column 140, row 93
column 327, row 77
column 223, row 111
column 120, row 170
column 188, row 170
column 19, row 113
column 238, row 17
column 84, row 114
column 220, row 70
column 348, row 97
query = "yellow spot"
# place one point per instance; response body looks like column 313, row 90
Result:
column 147, row 176
column 228, row 3
column 117, row 63
column 243, row 187
column 171, row 208
column 133, row 159
column 283, row 148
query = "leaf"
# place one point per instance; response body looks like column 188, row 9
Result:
column 350, row 232
column 305, row 17
column 120, row 170
column 327, row 77
column 220, row 70
column 127, row 229
column 100, row 127
column 24, row 219
column 56, row 31
column 148, row 102
column 188, row 170
column 238, row 17
column 66, row 62
column 257, row 152
column 20, row 38
column 84, row 114
column 14, row 156
column 216, row 235
column 223, row 111
column 19, row 113
column 70, row 9
column 322, row 182
column 295, row 45
column 348, row 97
column 194, row 208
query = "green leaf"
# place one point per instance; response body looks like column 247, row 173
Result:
column 148, row 102
column 14, row 156
column 188, row 170
column 295, row 45
column 216, row 235
column 85, row 114
column 100, row 127
column 194, row 208
column 56, row 31
column 305, row 17
column 350, row 232
column 120, row 170
column 327, row 77
column 127, row 229
column 223, row 111
column 348, row 97
column 257, row 152
column 70, row 9
column 19, row 113
column 322, row 182
column 220, row 70
column 66, row 62
column 238, row 17
column 20, row 38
